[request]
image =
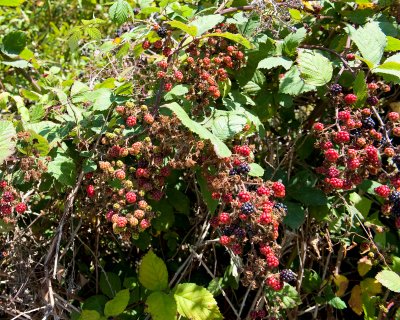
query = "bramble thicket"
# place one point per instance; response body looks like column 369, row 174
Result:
column 200, row 159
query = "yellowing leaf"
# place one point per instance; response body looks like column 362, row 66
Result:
column 364, row 265
column 342, row 283
column 371, row 286
column 355, row 302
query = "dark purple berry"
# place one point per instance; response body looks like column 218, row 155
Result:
column 336, row 88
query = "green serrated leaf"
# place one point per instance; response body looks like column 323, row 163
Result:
column 153, row 273
column 191, row 30
column 196, row 302
column 220, row 148
column 256, row 170
column 365, row 36
column 63, row 169
column 14, row 42
column 226, row 124
column 337, row 303
column 393, row 44
column 161, row 306
column 292, row 84
column 118, row 304
column 22, row 64
column 93, row 33
column 119, row 12
column 73, row 40
column 205, row 23
column 273, row 62
column 360, row 89
column 315, row 69
column 293, row 40
column 389, row 279
column 7, row 143
column 238, row 38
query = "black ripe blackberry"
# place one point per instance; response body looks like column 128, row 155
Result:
column 368, row 123
column 240, row 232
column 355, row 133
column 336, row 88
column 372, row 100
column 287, row 275
column 396, row 210
column 250, row 231
column 228, row 230
column 233, row 172
column 281, row 206
column 243, row 168
column 162, row 32
column 394, row 197
column 247, row 208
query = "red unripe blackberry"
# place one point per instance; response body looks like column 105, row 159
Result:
column 146, row 44
column 215, row 195
column 3, row 184
column 167, row 51
column 120, row 174
column 344, row 115
column 272, row 261
column 396, row 131
column 350, row 56
column 389, row 152
column 230, row 48
column 206, row 61
column 331, row 155
column 168, row 86
column 8, row 196
column 318, row 126
column 131, row 121
column 239, row 55
column 353, row 163
column 224, row 218
column 342, row 137
column 20, row 208
column 141, row 172
column 148, row 118
column 144, row 224
column 372, row 153
column 109, row 214
column 372, row 86
column 161, row 74
column 393, row 116
column 114, row 218
column 90, row 191
column 336, row 183
column 5, row 209
column 326, row 145
column 121, row 222
column 217, row 60
column 224, row 240
column 237, row 249
column 227, row 198
column 114, row 151
column 266, row 250
column 244, row 151
column 333, row 172
column 163, row 64
column 190, row 60
column 274, row 283
column 265, row 218
column 244, row 196
column 382, row 191
column 279, row 189
column 263, row 191
column 227, row 60
column 158, row 44
column 350, row 98
column 130, row 197
column 262, row 314
column 178, row 76
column 253, row 315
column 120, row 110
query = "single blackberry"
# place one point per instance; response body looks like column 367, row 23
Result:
column 240, row 232
column 287, row 275
column 394, row 197
column 136, row 10
column 228, row 230
column 118, row 32
column 368, row 123
column 233, row 172
column 281, row 206
column 162, row 32
column 243, row 168
column 143, row 164
column 396, row 209
column 336, row 88
column 247, row 208
column 372, row 100
column 250, row 231
column 355, row 133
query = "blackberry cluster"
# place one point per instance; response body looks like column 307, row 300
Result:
column 247, row 208
column 162, row 32
column 336, row 88
column 287, row 275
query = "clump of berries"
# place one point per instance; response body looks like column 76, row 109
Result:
column 11, row 205
column 250, row 212
column 361, row 144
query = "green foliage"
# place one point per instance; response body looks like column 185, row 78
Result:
column 389, row 279
column 161, row 306
column 7, row 133
column 118, row 304
column 153, row 273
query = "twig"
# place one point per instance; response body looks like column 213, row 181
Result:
column 234, row 9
